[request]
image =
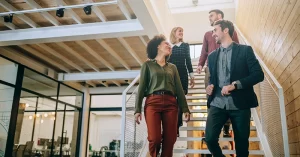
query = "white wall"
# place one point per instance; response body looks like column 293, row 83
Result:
column 104, row 129
column 195, row 24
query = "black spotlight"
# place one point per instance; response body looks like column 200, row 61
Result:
column 60, row 12
column 9, row 18
column 88, row 10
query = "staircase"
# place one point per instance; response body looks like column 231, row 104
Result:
column 190, row 143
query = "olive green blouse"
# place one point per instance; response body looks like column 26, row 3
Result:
column 154, row 77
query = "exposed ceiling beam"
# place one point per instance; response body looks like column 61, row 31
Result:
column 130, row 50
column 95, row 54
column 128, row 16
column 24, row 18
column 70, row 12
column 7, row 24
column 38, row 54
column 124, row 9
column 90, row 83
column 25, row 60
column 117, row 83
column 98, row 12
column 58, row 55
column 39, row 10
column 113, row 53
column 72, row 32
column 79, row 57
column 114, row 75
column 46, row 15
column 143, row 40
column 103, row 83
column 146, row 15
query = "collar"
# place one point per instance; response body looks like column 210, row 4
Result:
column 178, row 44
column 228, row 48
column 155, row 61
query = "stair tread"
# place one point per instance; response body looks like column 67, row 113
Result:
column 203, row 118
column 198, row 111
column 195, row 97
column 252, row 139
column 197, row 91
column 198, row 128
column 206, row 151
column 197, row 103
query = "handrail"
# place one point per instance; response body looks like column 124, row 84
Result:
column 124, row 96
column 281, row 104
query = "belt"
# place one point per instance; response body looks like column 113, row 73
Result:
column 162, row 93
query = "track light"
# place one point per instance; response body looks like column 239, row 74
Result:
column 88, row 10
column 60, row 12
column 9, row 18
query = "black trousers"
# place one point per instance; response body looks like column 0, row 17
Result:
column 240, row 120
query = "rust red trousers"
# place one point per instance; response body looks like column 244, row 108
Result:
column 161, row 110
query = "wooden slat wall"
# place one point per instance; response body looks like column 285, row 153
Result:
column 273, row 28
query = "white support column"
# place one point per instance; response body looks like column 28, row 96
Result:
column 84, row 121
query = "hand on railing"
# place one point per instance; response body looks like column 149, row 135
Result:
column 138, row 118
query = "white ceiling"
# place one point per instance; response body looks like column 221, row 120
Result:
column 194, row 18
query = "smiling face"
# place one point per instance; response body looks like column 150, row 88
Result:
column 179, row 34
column 219, row 34
column 164, row 48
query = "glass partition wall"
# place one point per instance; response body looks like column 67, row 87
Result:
column 39, row 116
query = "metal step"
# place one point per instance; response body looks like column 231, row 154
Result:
column 192, row 128
column 195, row 97
column 205, row 151
column 252, row 139
column 202, row 119
column 197, row 91
column 197, row 103
column 198, row 111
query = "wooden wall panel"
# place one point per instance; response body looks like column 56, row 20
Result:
column 273, row 29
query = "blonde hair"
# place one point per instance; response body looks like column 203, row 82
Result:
column 173, row 35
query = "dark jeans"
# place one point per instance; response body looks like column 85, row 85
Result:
column 240, row 120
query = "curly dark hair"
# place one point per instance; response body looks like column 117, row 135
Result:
column 152, row 47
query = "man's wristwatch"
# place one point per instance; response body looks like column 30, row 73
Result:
column 235, row 85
